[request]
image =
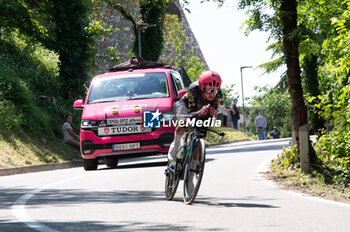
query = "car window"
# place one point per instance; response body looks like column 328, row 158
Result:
column 137, row 86
column 178, row 81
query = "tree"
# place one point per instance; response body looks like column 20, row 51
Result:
column 283, row 26
column 60, row 26
column 288, row 15
column 152, row 12
column 175, row 39
column 73, row 44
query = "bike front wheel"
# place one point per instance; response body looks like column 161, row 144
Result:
column 194, row 173
column 171, row 183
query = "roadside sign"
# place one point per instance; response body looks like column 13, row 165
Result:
column 302, row 115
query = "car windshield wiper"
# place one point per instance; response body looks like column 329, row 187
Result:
column 94, row 102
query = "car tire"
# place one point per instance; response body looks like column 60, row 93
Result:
column 90, row 164
column 111, row 161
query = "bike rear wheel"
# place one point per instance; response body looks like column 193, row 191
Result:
column 193, row 175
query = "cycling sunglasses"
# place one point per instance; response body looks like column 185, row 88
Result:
column 211, row 90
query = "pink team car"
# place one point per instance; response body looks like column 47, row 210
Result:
column 114, row 113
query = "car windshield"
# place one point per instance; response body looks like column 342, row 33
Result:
column 137, row 86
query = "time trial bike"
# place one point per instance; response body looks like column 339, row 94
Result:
column 189, row 165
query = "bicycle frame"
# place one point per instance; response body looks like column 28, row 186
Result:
column 185, row 150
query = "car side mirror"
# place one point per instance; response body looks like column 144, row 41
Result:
column 78, row 104
column 181, row 94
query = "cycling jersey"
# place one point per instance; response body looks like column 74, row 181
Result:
column 193, row 101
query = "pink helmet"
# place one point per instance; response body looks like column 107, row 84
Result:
column 209, row 79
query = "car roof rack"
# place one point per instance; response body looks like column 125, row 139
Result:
column 137, row 63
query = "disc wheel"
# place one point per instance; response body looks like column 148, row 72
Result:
column 193, row 175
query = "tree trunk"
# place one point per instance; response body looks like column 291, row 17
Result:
column 312, row 85
column 288, row 16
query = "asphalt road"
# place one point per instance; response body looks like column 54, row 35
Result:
column 233, row 196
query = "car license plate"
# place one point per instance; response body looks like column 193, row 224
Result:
column 125, row 146
column 118, row 130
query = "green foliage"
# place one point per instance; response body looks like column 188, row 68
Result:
column 24, row 17
column 334, row 147
column 99, row 28
column 288, row 159
column 175, row 40
column 152, row 12
column 25, row 74
column 228, row 94
column 10, row 120
column 276, row 106
column 73, row 44
column 59, row 25
column 333, row 171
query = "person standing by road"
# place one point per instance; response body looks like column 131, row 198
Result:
column 69, row 136
column 260, row 126
column 234, row 113
column 222, row 114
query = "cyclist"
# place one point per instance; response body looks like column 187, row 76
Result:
column 202, row 99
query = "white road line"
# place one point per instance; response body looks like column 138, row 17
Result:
column 19, row 211
column 264, row 167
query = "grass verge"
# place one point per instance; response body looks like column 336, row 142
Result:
column 17, row 150
column 230, row 135
column 311, row 184
column 22, row 150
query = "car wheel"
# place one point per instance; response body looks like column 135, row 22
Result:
column 111, row 161
column 90, row 164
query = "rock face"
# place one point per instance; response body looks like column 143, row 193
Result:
column 121, row 40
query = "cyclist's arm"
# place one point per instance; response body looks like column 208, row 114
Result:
column 181, row 108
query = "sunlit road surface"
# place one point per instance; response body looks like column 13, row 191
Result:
column 233, row 196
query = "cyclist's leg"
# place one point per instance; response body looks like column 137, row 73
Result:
column 174, row 147
column 195, row 159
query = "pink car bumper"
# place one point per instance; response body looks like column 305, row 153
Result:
column 157, row 141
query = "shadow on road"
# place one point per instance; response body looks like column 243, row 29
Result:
column 137, row 165
column 143, row 165
column 103, row 226
column 231, row 202
column 61, row 198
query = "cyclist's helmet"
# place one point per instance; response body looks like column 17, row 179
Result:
column 209, row 79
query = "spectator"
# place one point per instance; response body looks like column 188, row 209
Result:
column 260, row 126
column 222, row 114
column 69, row 136
column 234, row 113
column 275, row 134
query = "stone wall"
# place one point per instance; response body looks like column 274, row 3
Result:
column 122, row 40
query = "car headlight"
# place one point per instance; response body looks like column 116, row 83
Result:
column 89, row 123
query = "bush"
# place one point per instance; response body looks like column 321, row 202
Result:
column 333, row 150
column 289, row 159
column 25, row 74
column 9, row 119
